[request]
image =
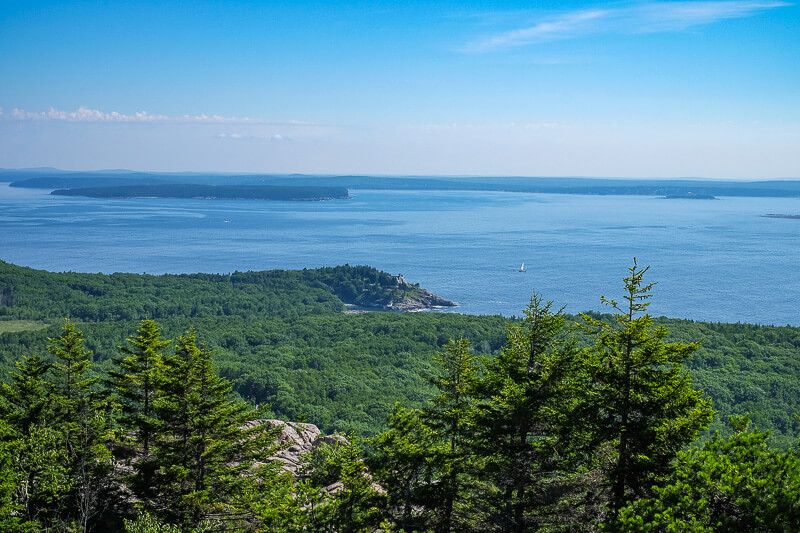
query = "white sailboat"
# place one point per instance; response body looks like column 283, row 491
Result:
column 522, row 267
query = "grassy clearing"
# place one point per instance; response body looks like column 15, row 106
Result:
column 15, row 326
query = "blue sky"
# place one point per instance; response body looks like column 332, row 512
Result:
column 692, row 88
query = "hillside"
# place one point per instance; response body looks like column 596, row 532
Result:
column 693, row 188
column 283, row 339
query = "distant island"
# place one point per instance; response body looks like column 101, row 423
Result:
column 778, row 215
column 677, row 188
column 689, row 196
column 186, row 190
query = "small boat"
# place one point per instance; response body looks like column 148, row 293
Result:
column 522, row 267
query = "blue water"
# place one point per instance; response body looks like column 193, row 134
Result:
column 713, row 260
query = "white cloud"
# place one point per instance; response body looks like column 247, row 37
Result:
column 649, row 17
column 275, row 137
column 677, row 16
column 560, row 27
column 87, row 114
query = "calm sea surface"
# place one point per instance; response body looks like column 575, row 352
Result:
column 713, row 260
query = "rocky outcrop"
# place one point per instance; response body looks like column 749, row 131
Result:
column 419, row 300
column 410, row 297
column 415, row 298
column 294, row 439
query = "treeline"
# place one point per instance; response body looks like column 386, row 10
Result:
column 160, row 444
column 550, row 435
column 282, row 339
column 553, row 437
column 35, row 294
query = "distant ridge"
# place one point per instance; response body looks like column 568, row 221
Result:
column 188, row 190
column 683, row 187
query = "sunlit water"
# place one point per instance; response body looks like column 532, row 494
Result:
column 713, row 260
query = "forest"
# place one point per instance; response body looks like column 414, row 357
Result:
column 137, row 403
column 283, row 340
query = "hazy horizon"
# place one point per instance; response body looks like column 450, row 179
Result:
column 388, row 175
column 660, row 89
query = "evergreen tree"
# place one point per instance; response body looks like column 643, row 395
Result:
column 406, row 459
column 206, row 439
column 72, row 381
column 450, row 415
column 146, row 523
column 351, row 502
column 83, row 417
column 26, row 400
column 9, row 481
column 36, row 447
column 424, row 458
column 46, row 487
column 525, row 411
column 135, row 383
column 729, row 484
column 645, row 407
column 136, row 380
column 280, row 503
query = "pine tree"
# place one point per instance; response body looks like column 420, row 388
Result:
column 35, row 446
column 45, row 484
column 423, row 457
column 525, row 409
column 136, row 380
column 407, row 460
column 83, row 416
column 281, row 503
column 72, row 380
column 205, row 439
column 735, row 483
column 59, row 424
column 135, row 384
column 351, row 503
column 10, row 478
column 26, row 399
column 450, row 415
column 644, row 404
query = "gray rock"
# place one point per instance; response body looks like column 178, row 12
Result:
column 295, row 439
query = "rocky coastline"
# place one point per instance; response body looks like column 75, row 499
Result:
column 407, row 298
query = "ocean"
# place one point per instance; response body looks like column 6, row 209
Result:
column 712, row 260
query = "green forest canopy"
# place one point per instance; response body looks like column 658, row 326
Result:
column 283, row 339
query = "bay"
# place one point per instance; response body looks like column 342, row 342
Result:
column 716, row 260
